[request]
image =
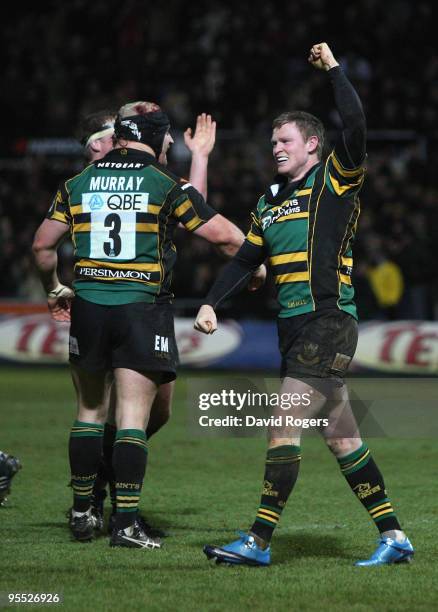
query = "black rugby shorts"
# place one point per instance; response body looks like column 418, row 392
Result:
column 317, row 345
column 137, row 336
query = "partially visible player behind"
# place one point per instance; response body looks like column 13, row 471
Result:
column 96, row 134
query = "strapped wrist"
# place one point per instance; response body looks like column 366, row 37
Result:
column 54, row 293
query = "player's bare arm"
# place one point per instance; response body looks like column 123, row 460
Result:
column 45, row 244
column 200, row 144
column 223, row 234
column 229, row 238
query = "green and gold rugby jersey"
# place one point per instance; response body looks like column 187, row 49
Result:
column 122, row 211
column 307, row 229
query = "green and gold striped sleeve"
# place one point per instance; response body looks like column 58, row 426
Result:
column 190, row 208
column 255, row 234
column 59, row 209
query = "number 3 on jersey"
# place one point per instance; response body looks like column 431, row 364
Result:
column 112, row 235
column 113, row 218
column 113, row 248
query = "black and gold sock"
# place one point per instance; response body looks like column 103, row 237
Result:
column 85, row 450
column 105, row 472
column 281, row 473
column 366, row 482
column 109, row 437
column 129, row 462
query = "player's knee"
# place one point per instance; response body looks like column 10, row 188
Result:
column 96, row 415
column 343, row 446
column 283, row 441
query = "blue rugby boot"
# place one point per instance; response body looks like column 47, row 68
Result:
column 243, row 551
column 389, row 551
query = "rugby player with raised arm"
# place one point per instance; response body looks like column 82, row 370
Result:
column 305, row 224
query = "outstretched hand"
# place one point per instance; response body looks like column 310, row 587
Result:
column 202, row 141
column 59, row 302
column 321, row 57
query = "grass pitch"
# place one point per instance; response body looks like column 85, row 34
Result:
column 201, row 491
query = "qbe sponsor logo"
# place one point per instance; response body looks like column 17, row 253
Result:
column 123, row 201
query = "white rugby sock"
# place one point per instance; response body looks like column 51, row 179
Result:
column 79, row 514
column 396, row 535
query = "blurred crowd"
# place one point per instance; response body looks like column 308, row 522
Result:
column 244, row 64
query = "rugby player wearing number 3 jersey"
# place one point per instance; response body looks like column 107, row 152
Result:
column 305, row 224
column 96, row 135
column 121, row 212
